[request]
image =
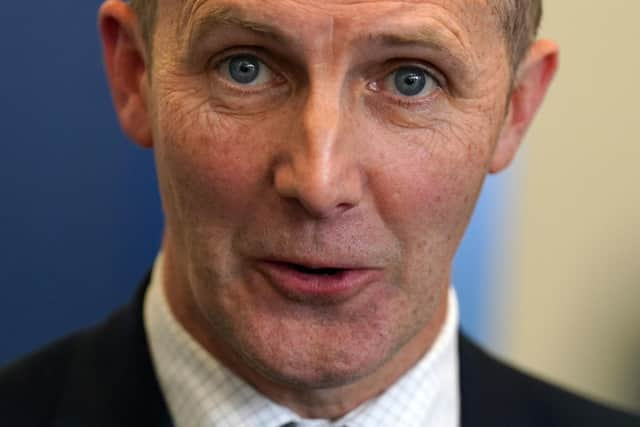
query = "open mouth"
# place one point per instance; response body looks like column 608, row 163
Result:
column 317, row 285
column 316, row 271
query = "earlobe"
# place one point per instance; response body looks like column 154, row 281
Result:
column 126, row 68
column 532, row 81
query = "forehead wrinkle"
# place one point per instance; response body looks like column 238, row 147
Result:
column 189, row 8
column 195, row 25
column 189, row 13
column 460, row 33
column 431, row 30
column 332, row 27
column 429, row 38
column 439, row 35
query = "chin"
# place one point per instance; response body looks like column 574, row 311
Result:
column 309, row 373
column 339, row 355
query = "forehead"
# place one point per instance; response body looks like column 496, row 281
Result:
column 337, row 8
column 466, row 29
column 463, row 14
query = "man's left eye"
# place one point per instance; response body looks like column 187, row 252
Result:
column 411, row 81
column 245, row 70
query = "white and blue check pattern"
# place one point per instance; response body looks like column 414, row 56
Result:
column 201, row 392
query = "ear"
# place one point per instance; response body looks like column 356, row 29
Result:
column 530, row 86
column 126, row 67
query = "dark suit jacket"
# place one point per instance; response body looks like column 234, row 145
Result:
column 103, row 377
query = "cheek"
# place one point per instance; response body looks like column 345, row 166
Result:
column 429, row 181
column 210, row 165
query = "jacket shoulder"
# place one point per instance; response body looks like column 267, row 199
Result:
column 30, row 388
column 101, row 377
column 499, row 394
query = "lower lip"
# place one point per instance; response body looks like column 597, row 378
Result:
column 317, row 288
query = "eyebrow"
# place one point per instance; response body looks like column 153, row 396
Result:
column 221, row 16
column 428, row 38
column 233, row 15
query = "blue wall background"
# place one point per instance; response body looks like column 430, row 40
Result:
column 80, row 216
column 79, row 212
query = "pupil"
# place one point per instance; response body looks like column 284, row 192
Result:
column 410, row 81
column 244, row 69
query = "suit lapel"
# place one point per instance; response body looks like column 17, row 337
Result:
column 491, row 393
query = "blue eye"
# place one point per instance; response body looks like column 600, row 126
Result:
column 245, row 70
column 411, row 81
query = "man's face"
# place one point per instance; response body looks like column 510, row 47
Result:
column 293, row 135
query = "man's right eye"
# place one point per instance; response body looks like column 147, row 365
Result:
column 246, row 70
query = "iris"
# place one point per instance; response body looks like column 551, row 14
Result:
column 244, row 69
column 410, row 81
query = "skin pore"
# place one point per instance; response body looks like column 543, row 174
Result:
column 320, row 159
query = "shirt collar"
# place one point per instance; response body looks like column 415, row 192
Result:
column 201, row 392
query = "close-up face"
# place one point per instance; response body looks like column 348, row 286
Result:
column 318, row 162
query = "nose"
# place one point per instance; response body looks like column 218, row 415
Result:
column 320, row 167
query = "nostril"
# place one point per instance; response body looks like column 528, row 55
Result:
column 323, row 185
